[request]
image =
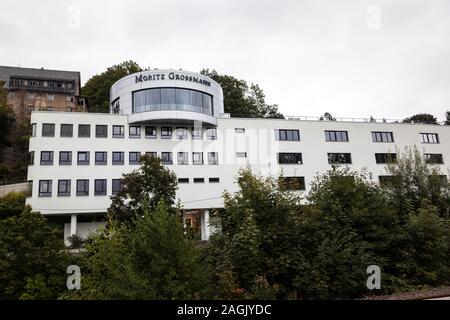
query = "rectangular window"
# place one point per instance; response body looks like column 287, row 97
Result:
column 197, row 133
column 30, row 189
column 45, row 188
column 386, row 181
column 48, row 129
column 50, row 96
column 135, row 132
column 213, row 158
column 182, row 133
column 182, row 158
column 30, row 95
column 46, row 158
column 197, row 157
column 214, row 180
column 429, row 138
column 166, row 133
column 101, row 158
column 183, row 180
column 65, row 158
column 33, row 129
column 293, row 183
column 341, row 158
column 69, row 98
column 100, row 187
column 118, row 158
column 134, row 158
column 383, row 158
column 211, row 134
column 290, row 158
column 118, row 131
column 152, row 154
column 84, row 130
column 83, row 187
column 66, row 130
column 382, row 136
column 31, row 158
column 63, row 188
column 336, row 136
column 150, row 132
column 166, row 158
column 101, row 131
column 83, row 158
column 287, row 135
column 434, row 158
column 239, row 130
column 199, row 180
column 117, row 185
column 241, row 154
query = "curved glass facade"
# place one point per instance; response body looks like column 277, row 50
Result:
column 157, row 99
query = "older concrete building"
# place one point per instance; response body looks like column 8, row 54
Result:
column 41, row 90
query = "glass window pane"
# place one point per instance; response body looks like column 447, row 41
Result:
column 183, row 99
column 168, row 101
column 196, row 101
column 207, row 104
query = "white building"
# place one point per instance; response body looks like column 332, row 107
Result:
column 77, row 159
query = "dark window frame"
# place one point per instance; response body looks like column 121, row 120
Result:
column 48, row 133
column 344, row 158
column 336, row 136
column 87, row 161
column 201, row 160
column 67, row 162
column 122, row 158
column 169, row 160
column 137, row 134
column 103, row 133
column 66, row 133
column 185, row 160
column 85, row 135
column 85, row 191
column 287, row 135
column 104, row 158
column 67, row 191
column 153, row 129
column 290, row 158
column 47, row 162
column 121, row 133
column 48, row 193
column 134, row 161
column 104, row 187
column 383, row 136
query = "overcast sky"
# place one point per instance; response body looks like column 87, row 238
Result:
column 353, row 58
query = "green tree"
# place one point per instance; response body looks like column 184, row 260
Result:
column 414, row 181
column 447, row 118
column 153, row 259
column 97, row 87
column 241, row 99
column 12, row 204
column 6, row 120
column 423, row 118
column 32, row 259
column 258, row 243
column 149, row 184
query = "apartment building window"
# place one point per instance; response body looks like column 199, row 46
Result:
column 429, row 138
column 166, row 133
column 11, row 94
column 134, row 158
column 33, row 129
column 287, row 135
column 199, row 180
column 383, row 158
column 197, row 157
column 197, row 133
column 65, row 158
column 100, row 187
column 50, row 96
column 66, row 130
column 135, row 132
column 117, row 185
column 182, row 158
column 69, row 98
column 182, row 133
column 378, row 136
column 239, row 130
column 84, row 130
column 241, row 154
column 293, row 183
column 339, row 158
column 118, row 158
column 166, row 158
column 63, row 188
column 101, row 158
column 101, row 131
column 31, row 158
column 30, row 95
column 48, row 129
column 434, row 158
column 336, row 136
column 150, row 132
column 46, row 158
column 118, row 131
column 211, row 134
column 290, row 158
column 45, row 188
column 83, row 187
column 183, row 180
column 214, row 180
column 213, row 158
column 83, row 158
column 386, row 181
column 152, row 154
